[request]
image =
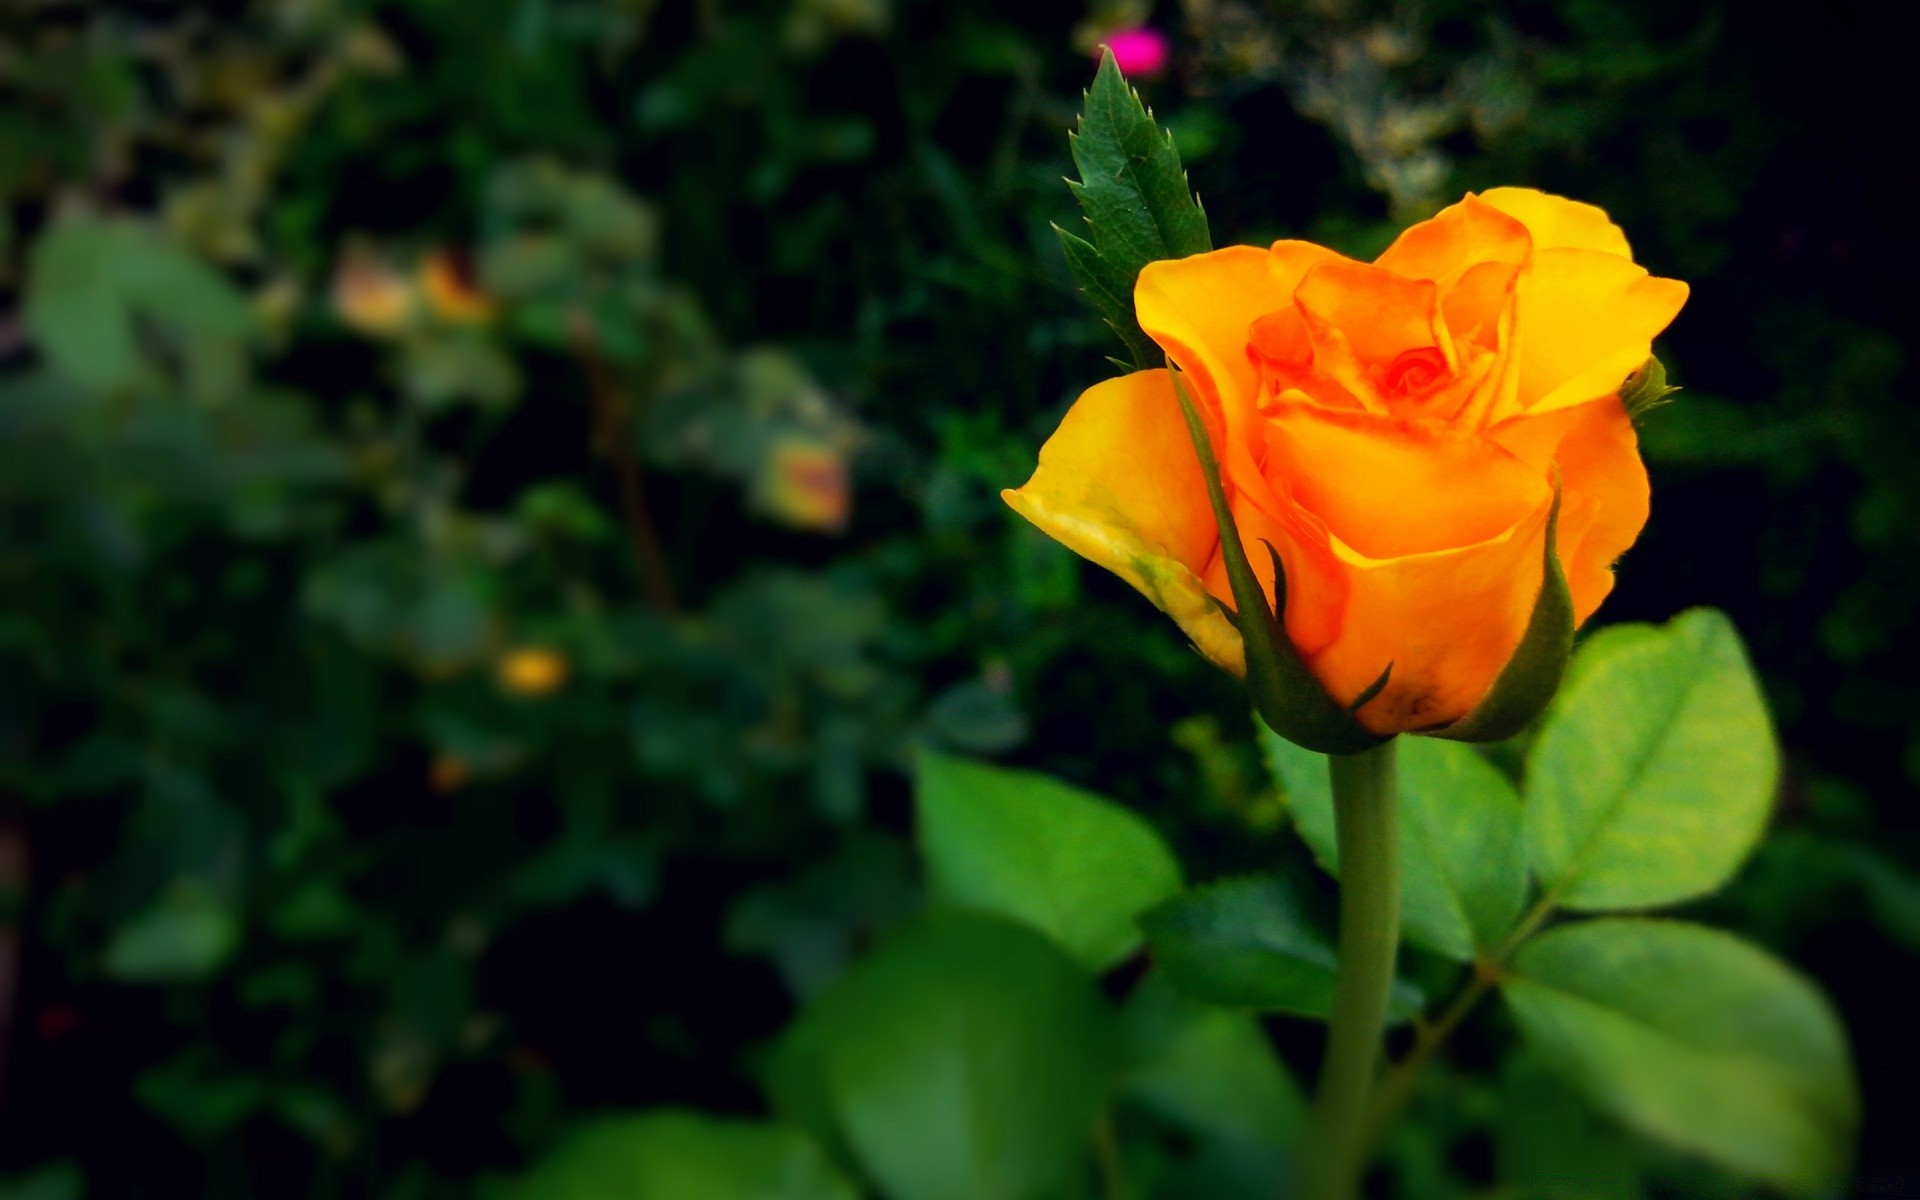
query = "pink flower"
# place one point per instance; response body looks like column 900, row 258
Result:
column 1139, row 53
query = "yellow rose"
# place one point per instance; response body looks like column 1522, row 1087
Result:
column 1394, row 430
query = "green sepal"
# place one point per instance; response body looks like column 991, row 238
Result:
column 1524, row 686
column 1646, row 389
column 1287, row 695
column 1136, row 200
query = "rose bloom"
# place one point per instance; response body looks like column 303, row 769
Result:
column 1394, row 430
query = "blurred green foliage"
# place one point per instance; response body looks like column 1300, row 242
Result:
column 495, row 492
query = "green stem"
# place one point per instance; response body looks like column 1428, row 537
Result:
column 1396, row 1086
column 1106, row 1149
column 1367, row 823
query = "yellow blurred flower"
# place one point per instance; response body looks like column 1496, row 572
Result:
column 533, row 671
column 371, row 297
column 804, row 484
column 447, row 281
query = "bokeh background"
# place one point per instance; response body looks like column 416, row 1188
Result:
column 493, row 492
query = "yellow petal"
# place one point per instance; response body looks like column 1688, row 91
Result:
column 1556, row 222
column 1119, row 484
column 1583, row 321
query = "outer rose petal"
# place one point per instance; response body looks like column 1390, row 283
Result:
column 1599, row 460
column 1199, row 310
column 1447, row 621
column 1584, row 321
column 1390, row 487
column 1457, row 237
column 1556, row 222
column 1119, row 484
column 1316, row 584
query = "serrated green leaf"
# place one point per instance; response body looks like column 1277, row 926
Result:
column 1646, row 389
column 1244, row 943
column 1652, row 776
column 1134, row 195
column 966, row 1059
column 1695, row 1038
column 1077, row 867
column 672, row 1155
column 1110, row 291
column 1132, row 187
column 1462, row 856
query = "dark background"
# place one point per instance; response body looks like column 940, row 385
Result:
column 303, row 891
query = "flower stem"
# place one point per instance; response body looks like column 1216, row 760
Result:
column 1396, row 1086
column 1367, row 823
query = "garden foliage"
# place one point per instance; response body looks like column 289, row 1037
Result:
column 514, row 675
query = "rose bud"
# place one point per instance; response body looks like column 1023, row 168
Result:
column 1396, row 442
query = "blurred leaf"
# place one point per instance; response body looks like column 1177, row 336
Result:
column 1211, row 1071
column 669, row 1155
column 1551, row 1147
column 1652, row 775
column 810, row 925
column 1243, row 943
column 1892, row 894
column 1693, row 1037
column 965, row 1060
column 54, row 1181
column 1075, row 866
column 91, row 279
column 201, row 1094
column 975, row 717
column 188, row 934
column 1463, row 862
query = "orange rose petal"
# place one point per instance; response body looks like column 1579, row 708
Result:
column 1447, row 621
column 1316, row 586
column 1199, row 310
column 1389, row 487
column 1456, row 239
column 1584, row 321
column 1476, row 300
column 1381, row 314
column 1119, row 484
column 1289, row 260
column 1599, row 459
column 1555, row 222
